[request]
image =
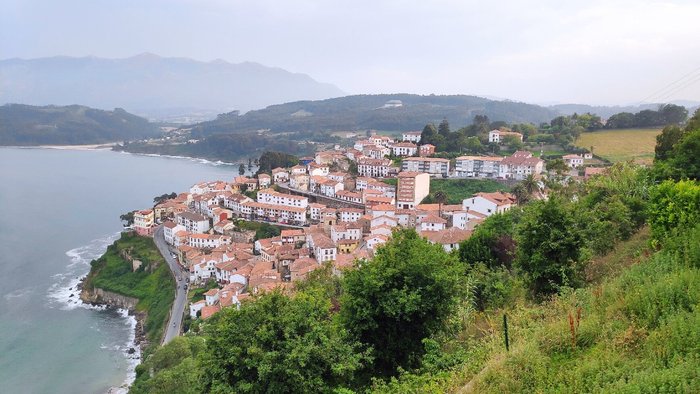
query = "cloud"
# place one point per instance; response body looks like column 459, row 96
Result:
column 587, row 51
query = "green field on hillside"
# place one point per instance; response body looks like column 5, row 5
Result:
column 621, row 145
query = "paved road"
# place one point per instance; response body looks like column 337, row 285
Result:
column 175, row 322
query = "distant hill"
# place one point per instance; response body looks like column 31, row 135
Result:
column 154, row 86
column 607, row 111
column 71, row 125
column 390, row 112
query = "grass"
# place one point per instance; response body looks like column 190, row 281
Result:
column 637, row 332
column 459, row 189
column 621, row 145
column 152, row 283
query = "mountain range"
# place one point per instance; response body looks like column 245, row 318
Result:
column 153, row 86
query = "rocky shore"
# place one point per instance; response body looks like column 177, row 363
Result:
column 100, row 297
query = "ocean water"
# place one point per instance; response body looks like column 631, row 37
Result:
column 59, row 209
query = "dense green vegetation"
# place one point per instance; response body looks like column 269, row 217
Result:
column 152, row 283
column 457, row 190
column 70, row 125
column 270, row 160
column 262, row 230
column 667, row 114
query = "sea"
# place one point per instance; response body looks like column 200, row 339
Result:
column 59, row 210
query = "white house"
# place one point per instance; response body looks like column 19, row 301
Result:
column 489, row 203
column 411, row 136
column 404, row 149
column 170, row 229
column 193, row 222
column 573, row 161
column 497, row 136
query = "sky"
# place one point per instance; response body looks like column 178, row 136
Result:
column 593, row 52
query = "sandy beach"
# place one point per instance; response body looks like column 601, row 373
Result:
column 76, row 147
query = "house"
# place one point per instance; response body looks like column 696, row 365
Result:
column 293, row 236
column 324, row 248
column 478, row 166
column 489, row 203
column 426, row 150
column 432, row 222
column 404, row 149
column 519, row 165
column 376, row 152
column 169, row 230
column 448, row 238
column 411, row 136
column 350, row 214
column 196, row 307
column 374, row 168
column 193, row 222
column 280, row 175
column 573, row 161
column 317, row 169
column 412, row 188
column 315, row 211
column 301, row 267
column 390, row 221
column 300, row 182
column 349, row 196
column 430, row 165
column 329, row 188
column 498, row 136
column 269, row 196
column 144, row 222
column 375, row 240
column 298, row 169
column 264, row 181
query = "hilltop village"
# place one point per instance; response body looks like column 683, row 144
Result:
column 333, row 208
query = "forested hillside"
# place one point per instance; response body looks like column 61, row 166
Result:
column 365, row 112
column 71, row 125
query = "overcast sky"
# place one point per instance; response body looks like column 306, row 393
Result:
column 595, row 52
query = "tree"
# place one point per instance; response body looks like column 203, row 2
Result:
column 684, row 160
column 128, row 218
column 558, row 166
column 440, row 198
column 163, row 197
column 428, row 135
column 623, row 120
column 444, row 128
column 241, row 169
column 270, row 160
column 279, row 344
column 665, row 141
column 512, row 142
column 673, row 114
column 473, row 145
column 402, row 296
column 549, row 242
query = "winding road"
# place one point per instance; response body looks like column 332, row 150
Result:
column 175, row 322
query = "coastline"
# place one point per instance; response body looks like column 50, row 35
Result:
column 105, row 146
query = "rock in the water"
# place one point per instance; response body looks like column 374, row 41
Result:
column 131, row 350
column 70, row 296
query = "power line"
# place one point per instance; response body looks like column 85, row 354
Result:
column 671, row 86
column 680, row 87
